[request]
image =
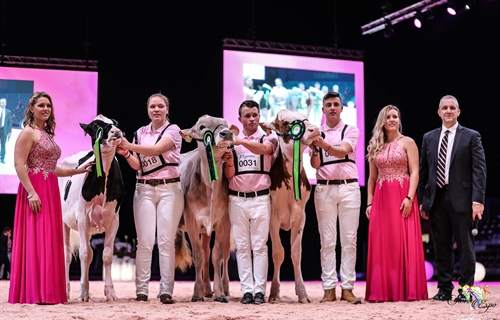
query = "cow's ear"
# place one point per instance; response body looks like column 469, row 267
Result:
column 115, row 122
column 234, row 129
column 268, row 127
column 187, row 134
column 84, row 127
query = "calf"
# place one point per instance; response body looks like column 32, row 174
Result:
column 206, row 203
column 290, row 190
column 91, row 202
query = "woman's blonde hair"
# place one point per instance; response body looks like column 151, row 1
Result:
column 29, row 119
column 379, row 136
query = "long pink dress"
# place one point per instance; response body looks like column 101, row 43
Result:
column 396, row 267
column 38, row 267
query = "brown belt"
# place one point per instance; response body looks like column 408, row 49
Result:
column 345, row 181
column 155, row 182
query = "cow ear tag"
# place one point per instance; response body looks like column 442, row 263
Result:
column 188, row 139
column 212, row 165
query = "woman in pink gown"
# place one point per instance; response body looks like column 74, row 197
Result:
column 396, row 268
column 38, row 265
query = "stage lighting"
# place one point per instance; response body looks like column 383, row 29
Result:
column 389, row 30
column 418, row 20
column 452, row 8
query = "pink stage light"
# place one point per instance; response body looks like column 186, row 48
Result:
column 417, row 23
column 451, row 11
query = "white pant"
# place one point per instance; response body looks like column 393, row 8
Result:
column 250, row 219
column 157, row 209
column 342, row 201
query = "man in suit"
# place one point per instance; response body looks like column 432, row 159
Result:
column 5, row 127
column 451, row 191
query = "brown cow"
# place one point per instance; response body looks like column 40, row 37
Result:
column 206, row 203
column 290, row 190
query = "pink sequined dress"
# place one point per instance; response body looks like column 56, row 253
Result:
column 396, row 268
column 38, row 267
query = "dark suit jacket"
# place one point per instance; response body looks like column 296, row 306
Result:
column 467, row 173
column 7, row 128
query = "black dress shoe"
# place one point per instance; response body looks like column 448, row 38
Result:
column 442, row 296
column 461, row 298
column 247, row 298
column 259, row 298
column 141, row 297
column 166, row 299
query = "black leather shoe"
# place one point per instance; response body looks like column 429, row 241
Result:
column 247, row 298
column 166, row 299
column 442, row 296
column 141, row 297
column 460, row 298
column 259, row 298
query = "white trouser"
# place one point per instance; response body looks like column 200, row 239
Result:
column 157, row 209
column 250, row 219
column 342, row 201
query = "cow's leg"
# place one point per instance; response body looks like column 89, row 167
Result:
column 207, row 288
column 296, row 233
column 86, row 256
column 198, row 256
column 68, row 255
column 218, row 255
column 226, row 255
column 278, row 257
column 107, row 257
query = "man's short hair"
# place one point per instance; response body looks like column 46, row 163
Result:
column 332, row 94
column 248, row 104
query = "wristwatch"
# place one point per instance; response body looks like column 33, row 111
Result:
column 409, row 198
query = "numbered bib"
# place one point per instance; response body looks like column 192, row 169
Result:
column 151, row 164
column 249, row 162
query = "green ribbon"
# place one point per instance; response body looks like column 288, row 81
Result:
column 97, row 152
column 212, row 165
column 296, row 169
column 296, row 131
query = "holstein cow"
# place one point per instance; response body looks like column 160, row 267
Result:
column 290, row 190
column 91, row 202
column 206, row 204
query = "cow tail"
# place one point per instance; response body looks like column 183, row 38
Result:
column 74, row 242
column 183, row 259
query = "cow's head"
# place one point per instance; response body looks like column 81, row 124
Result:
column 212, row 130
column 105, row 130
column 291, row 126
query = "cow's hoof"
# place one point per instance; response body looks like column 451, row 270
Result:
column 273, row 300
column 305, row 300
column 222, row 299
column 194, row 299
column 209, row 295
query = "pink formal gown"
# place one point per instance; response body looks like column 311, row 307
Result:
column 38, row 267
column 396, row 267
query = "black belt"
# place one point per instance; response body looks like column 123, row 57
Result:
column 155, row 182
column 445, row 187
column 252, row 194
column 345, row 181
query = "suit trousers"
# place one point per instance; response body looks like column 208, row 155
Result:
column 157, row 210
column 250, row 218
column 340, row 202
column 449, row 225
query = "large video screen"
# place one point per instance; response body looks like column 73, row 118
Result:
column 297, row 83
column 74, row 95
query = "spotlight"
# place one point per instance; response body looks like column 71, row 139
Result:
column 388, row 30
column 418, row 20
column 452, row 8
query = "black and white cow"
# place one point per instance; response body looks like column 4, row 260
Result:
column 206, row 195
column 91, row 202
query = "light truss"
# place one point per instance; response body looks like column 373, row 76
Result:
column 401, row 15
column 296, row 49
column 72, row 64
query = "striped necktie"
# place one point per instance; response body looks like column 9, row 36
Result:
column 442, row 160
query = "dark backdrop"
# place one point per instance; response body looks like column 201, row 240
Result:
column 176, row 48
